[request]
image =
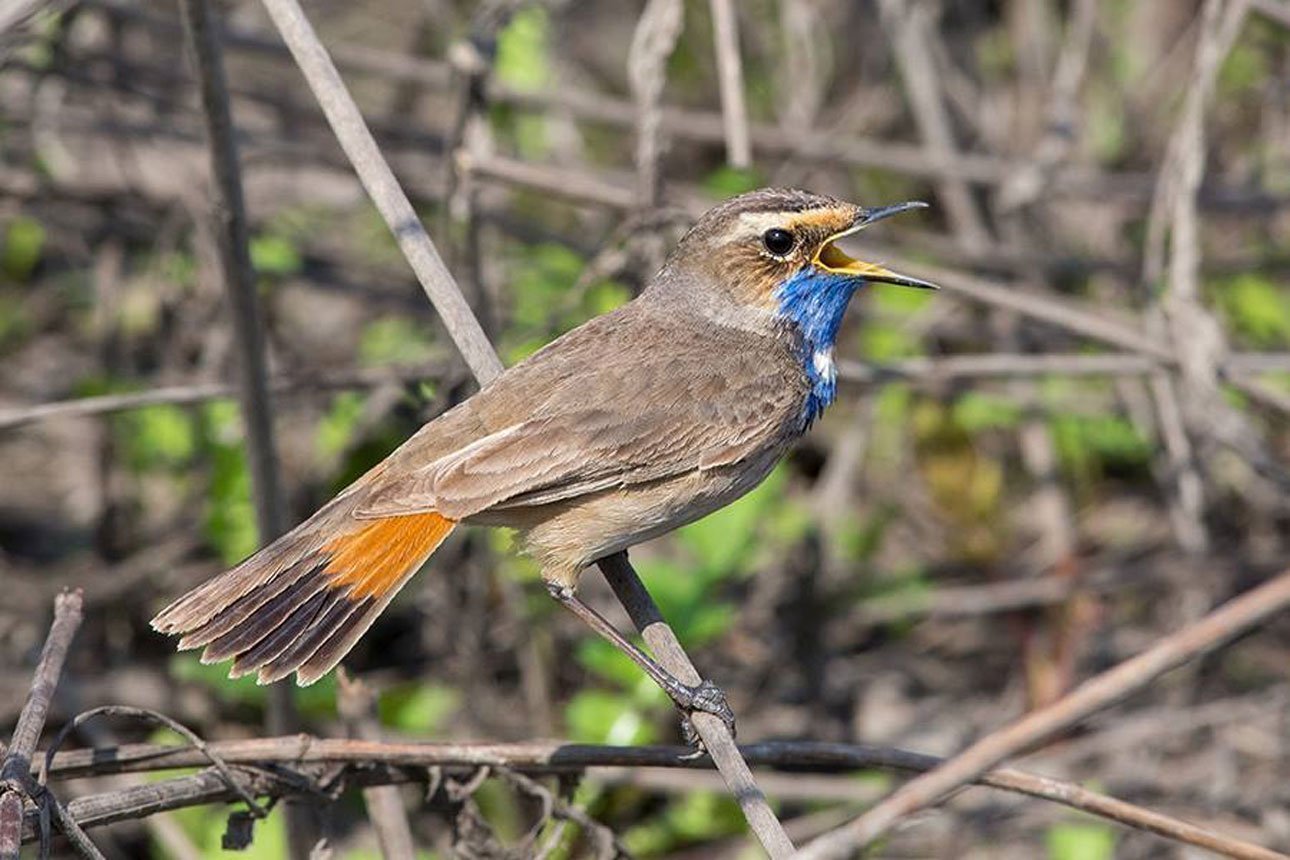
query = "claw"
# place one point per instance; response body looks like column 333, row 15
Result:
column 706, row 697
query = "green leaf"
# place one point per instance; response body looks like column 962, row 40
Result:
column 158, row 436
column 900, row 303
column 523, row 62
column 606, row 661
column 337, row 427
column 394, row 340
column 976, row 411
column 230, row 516
column 522, row 49
column 727, row 181
column 1081, row 842
column 1246, row 65
column 699, row 816
column 269, row 840
column 421, row 707
column 275, row 255
column 725, row 539
column 24, row 240
column 703, row 815
column 594, row 716
column 1258, row 309
column 605, row 296
column 884, row 342
column 316, row 701
column 541, row 277
column 684, row 595
column 1087, row 441
column 188, row 668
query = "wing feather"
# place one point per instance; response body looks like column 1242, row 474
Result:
column 602, row 424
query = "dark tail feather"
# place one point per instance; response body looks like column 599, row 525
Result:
column 301, row 603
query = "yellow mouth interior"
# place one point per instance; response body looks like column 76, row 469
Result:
column 833, row 259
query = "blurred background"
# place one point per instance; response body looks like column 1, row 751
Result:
column 1077, row 446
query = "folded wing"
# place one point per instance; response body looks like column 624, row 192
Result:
column 670, row 417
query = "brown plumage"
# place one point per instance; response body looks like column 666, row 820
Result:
column 631, row 425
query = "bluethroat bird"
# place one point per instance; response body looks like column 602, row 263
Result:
column 636, row 422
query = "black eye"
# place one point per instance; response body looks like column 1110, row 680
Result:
column 778, row 242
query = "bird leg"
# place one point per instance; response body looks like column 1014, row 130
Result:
column 705, row 697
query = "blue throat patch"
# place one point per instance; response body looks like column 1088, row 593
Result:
column 814, row 301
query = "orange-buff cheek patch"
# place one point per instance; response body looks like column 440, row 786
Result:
column 825, row 220
column 374, row 559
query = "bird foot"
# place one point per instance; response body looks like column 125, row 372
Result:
column 705, row 697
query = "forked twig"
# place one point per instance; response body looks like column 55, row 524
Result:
column 213, row 758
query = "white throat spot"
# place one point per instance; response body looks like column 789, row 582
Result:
column 823, row 362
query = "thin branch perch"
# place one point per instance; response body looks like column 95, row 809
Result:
column 355, row 138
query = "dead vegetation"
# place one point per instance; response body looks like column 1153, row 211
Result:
column 1073, row 452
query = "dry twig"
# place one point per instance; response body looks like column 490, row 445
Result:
column 347, row 122
column 384, row 763
column 377, row 178
column 238, row 277
column 1222, row 625
column 200, row 392
column 734, row 111
column 357, row 705
column 15, row 771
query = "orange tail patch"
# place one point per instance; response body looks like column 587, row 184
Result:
column 298, row 606
column 371, row 561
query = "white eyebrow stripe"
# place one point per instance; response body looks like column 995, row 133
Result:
column 759, row 222
column 751, row 224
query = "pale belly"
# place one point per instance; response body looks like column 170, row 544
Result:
column 566, row 537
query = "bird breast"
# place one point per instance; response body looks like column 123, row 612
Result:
column 565, row 537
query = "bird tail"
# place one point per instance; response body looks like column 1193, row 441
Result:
column 299, row 604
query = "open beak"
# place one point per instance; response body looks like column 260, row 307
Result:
column 833, row 259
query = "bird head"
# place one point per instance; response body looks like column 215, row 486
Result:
column 776, row 250
column 769, row 260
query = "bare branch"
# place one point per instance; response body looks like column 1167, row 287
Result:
column 200, row 392
column 386, row 763
column 355, row 138
column 909, row 29
column 1210, row 633
column 717, row 740
column 15, row 770
column 357, row 705
column 730, row 77
column 347, row 122
column 652, row 43
column 238, row 277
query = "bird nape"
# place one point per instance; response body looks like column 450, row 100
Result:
column 633, row 424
